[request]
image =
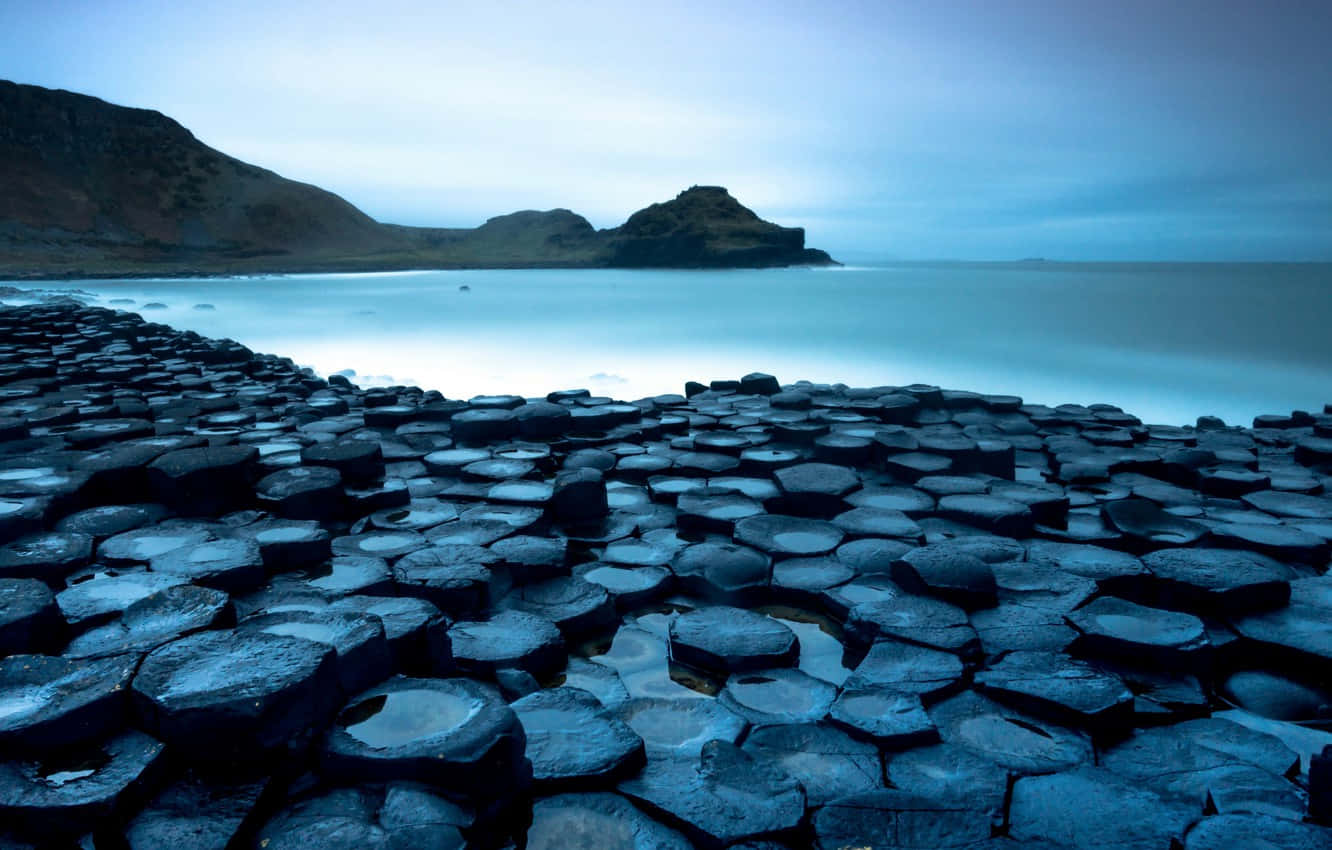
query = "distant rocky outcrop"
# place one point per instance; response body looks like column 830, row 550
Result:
column 90, row 188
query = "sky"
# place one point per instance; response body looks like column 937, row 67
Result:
column 979, row 130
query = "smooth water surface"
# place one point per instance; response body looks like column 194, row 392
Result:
column 1167, row 342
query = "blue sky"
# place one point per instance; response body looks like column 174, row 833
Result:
column 992, row 129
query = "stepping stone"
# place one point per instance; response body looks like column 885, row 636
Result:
column 1278, row 697
column 907, row 669
column 715, row 798
column 656, row 551
column 1229, row 832
column 416, row 631
column 533, row 558
column 107, row 520
column 231, row 696
column 579, row 495
column 914, row 619
column 877, row 522
column 1183, row 759
column 142, row 545
column 1018, row 742
column 1118, row 629
column 389, row 545
column 451, row 461
column 29, row 617
column 726, row 639
column 597, row 820
column 49, row 556
column 288, row 543
column 1116, row 573
column 48, row 703
column 896, row 820
column 890, row 718
column 722, row 572
column 911, row 501
column 20, row 515
column 95, row 598
column 1296, row 505
column 1004, row 517
column 948, row 573
column 457, row 577
column 713, row 510
column 679, row 728
column 208, row 814
column 1053, row 685
column 827, row 762
column 816, row 489
column 951, row 772
column 572, row 740
column 302, row 492
column 777, row 696
column 232, row 564
column 1015, row 626
column 58, row 799
column 1299, row 635
column 872, row 555
column 204, row 481
column 788, row 536
column 455, row 734
column 509, row 639
column 1091, row 807
column 349, row 574
column 542, row 420
column 154, row 620
column 913, row 466
column 1283, row 542
column 481, row 426
column 1219, row 581
column 803, row 579
column 1148, row 527
column 629, row 587
column 578, row 607
column 357, row 639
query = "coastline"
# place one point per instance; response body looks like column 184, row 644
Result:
column 969, row 558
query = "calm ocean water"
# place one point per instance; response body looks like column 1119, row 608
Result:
column 1166, row 342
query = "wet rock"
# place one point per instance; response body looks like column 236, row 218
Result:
column 895, row 820
column 726, row 797
column 579, row 496
column 629, row 587
column 455, row 576
column 198, row 813
column 908, row 669
column 403, row 815
column 1005, row 517
column 358, row 640
column 1115, row 573
column 1118, row 629
column 915, row 619
column 508, row 639
column 49, row 556
column 1053, row 685
column 573, row 741
column 63, row 796
column 1018, row 742
column 231, row 696
column 1228, row 832
column 456, row 734
column 1148, row 527
column 679, row 728
column 48, row 703
column 379, row 544
column 578, row 607
column 29, row 618
column 487, row 425
column 1278, row 697
column 107, row 520
column 302, row 492
column 1296, row 505
column 1091, row 807
column 142, row 545
column 155, row 619
column 949, row 573
column 231, row 564
column 1219, row 581
column 204, row 481
column 827, row 762
column 951, row 772
column 777, row 696
column 96, row 597
column 1283, row 542
column 722, row 572
column 729, row 639
column 597, row 820
column 416, row 630
column 815, row 489
column 788, row 536
column 891, row 718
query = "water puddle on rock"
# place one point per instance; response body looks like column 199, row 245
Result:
column 62, row 771
column 403, row 717
column 822, row 654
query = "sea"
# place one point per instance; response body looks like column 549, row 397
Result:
column 1166, row 342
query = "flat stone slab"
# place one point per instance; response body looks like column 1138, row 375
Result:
column 907, row 669
column 509, row 639
column 676, row 728
column 1226, row 832
column 896, row 820
column 914, row 619
column 828, row 763
column 888, row 717
column 228, row 696
column 779, row 696
column 357, row 639
column 456, row 734
column 1220, row 581
column 30, row 619
column 788, row 536
column 1018, row 742
column 948, row 573
column 729, row 639
column 156, row 619
column 597, row 820
column 1092, row 807
column 1117, row 628
column 49, row 703
column 572, row 740
column 401, row 815
column 725, row 797
column 952, row 772
column 1054, row 685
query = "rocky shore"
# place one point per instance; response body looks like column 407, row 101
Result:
column 243, row 606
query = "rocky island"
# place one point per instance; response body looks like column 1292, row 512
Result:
column 242, row 606
column 90, row 189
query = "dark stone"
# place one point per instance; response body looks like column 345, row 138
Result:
column 104, row 521
column 154, row 620
column 1118, row 629
column 205, row 481
column 508, row 639
column 579, row 496
column 1149, row 527
column 578, row 607
column 1053, row 685
column 788, row 535
column 404, row 815
column 1091, row 807
column 949, row 573
column 573, row 741
column 758, row 383
column 897, row 820
column 197, row 812
column 1018, row 742
column 50, row 703
column 951, row 772
column 29, row 618
column 713, row 798
column 94, row 598
column 229, row 696
column 481, row 426
column 828, row 763
column 231, row 564
column 679, row 728
column 1219, row 581
column 915, row 619
column 303, row 492
column 777, row 696
column 1234, row 832
column 884, row 715
column 452, row 733
column 816, row 489
column 389, row 545
column 907, row 669
column 722, row 572
column 598, row 820
column 49, row 556
column 457, row 577
column 728, row 639
column 358, row 640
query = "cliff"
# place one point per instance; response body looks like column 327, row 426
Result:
column 91, row 188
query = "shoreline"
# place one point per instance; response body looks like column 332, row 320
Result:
column 672, row 600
